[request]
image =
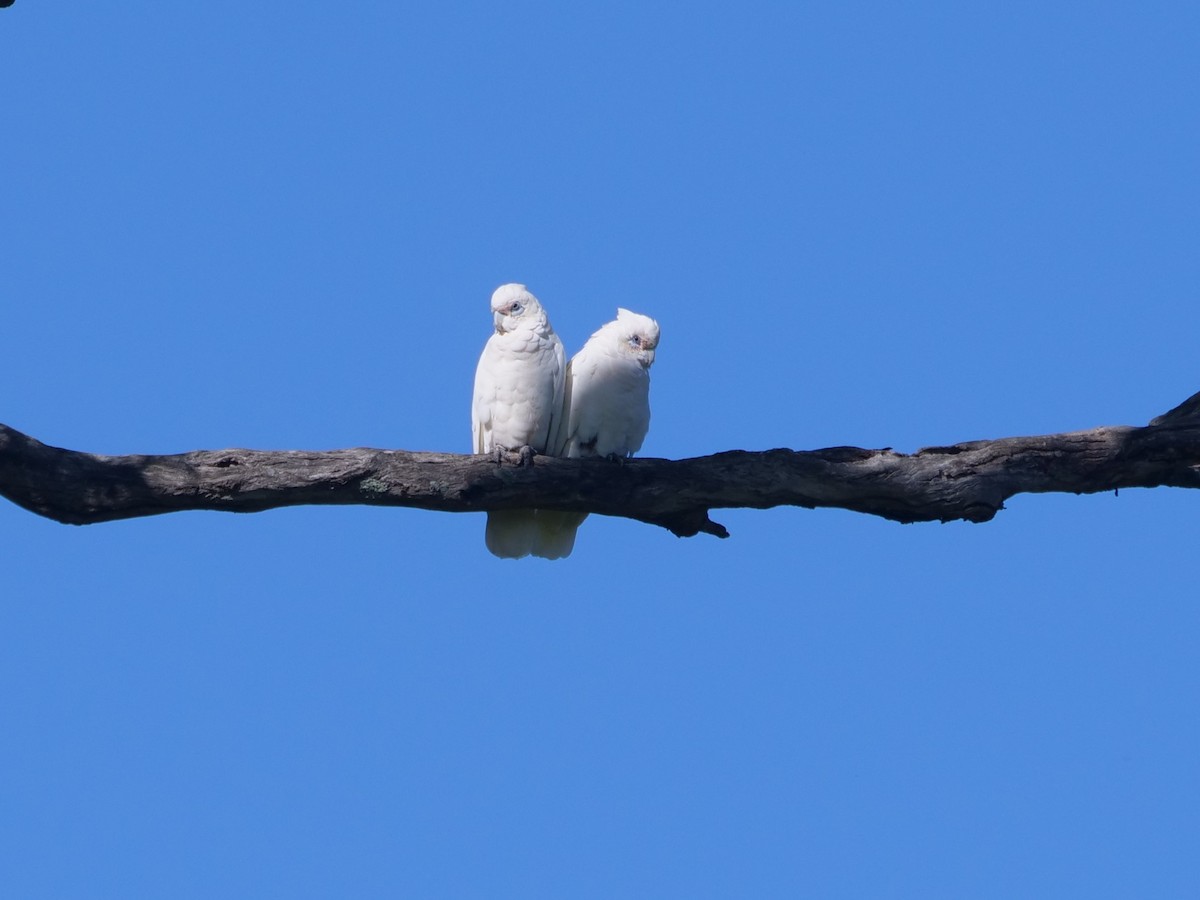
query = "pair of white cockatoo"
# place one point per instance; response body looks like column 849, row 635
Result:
column 529, row 398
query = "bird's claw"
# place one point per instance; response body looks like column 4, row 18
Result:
column 525, row 454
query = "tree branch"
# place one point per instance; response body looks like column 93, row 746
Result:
column 967, row 481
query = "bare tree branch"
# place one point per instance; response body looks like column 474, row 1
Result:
column 967, row 481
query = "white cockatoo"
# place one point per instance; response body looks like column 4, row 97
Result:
column 518, row 402
column 607, row 404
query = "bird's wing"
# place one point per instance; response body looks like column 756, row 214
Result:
column 610, row 410
column 558, row 404
column 482, row 398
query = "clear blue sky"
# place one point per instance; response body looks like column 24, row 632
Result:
column 277, row 225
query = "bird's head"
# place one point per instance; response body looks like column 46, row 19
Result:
column 637, row 336
column 513, row 307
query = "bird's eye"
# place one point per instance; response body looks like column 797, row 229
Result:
column 516, row 309
column 635, row 341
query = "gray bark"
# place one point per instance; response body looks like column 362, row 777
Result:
column 967, row 481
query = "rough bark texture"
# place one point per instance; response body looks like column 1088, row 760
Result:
column 967, row 481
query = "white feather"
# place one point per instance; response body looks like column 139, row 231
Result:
column 518, row 401
column 607, row 401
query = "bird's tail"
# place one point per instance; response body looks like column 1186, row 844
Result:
column 555, row 534
column 511, row 533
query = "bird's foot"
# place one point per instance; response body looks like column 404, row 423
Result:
column 525, row 454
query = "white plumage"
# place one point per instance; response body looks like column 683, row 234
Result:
column 607, row 402
column 518, row 402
